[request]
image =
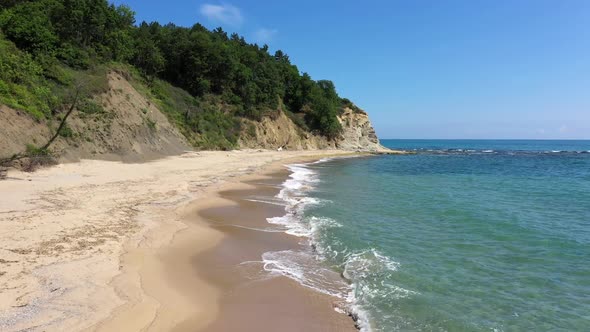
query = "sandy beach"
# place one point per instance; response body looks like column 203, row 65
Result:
column 156, row 246
column 252, row 299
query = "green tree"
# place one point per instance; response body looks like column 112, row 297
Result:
column 29, row 26
column 148, row 56
column 60, row 35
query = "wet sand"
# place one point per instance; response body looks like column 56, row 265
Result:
column 249, row 298
column 107, row 246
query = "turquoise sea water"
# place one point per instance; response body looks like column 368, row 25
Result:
column 461, row 236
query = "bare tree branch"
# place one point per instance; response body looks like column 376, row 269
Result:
column 63, row 121
column 8, row 161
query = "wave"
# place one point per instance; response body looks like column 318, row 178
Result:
column 368, row 272
column 304, row 268
column 358, row 286
column 367, row 262
column 265, row 201
column 265, row 230
column 354, row 276
column 309, row 227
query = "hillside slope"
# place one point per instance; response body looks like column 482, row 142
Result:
column 143, row 90
column 131, row 127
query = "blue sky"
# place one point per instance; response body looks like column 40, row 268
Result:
column 427, row 69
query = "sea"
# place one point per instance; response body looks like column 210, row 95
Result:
column 459, row 235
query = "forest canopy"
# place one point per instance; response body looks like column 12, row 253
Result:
column 81, row 34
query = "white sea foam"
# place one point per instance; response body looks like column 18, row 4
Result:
column 291, row 224
column 293, row 194
column 265, row 230
column 360, row 268
column 265, row 201
column 321, row 161
column 367, row 272
column 305, row 269
column 369, row 262
column 363, row 320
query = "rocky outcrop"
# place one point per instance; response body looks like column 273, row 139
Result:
column 358, row 134
column 272, row 133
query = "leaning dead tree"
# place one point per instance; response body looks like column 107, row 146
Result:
column 63, row 121
column 6, row 162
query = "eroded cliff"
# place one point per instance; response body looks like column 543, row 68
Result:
column 133, row 128
column 357, row 134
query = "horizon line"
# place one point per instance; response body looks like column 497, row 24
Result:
column 492, row 139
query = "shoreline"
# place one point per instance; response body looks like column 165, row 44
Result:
column 192, row 299
column 84, row 241
column 239, row 211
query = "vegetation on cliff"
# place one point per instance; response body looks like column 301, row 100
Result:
column 204, row 81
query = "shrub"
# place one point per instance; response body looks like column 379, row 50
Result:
column 251, row 131
column 298, row 120
column 66, row 131
column 150, row 123
column 89, row 106
column 34, row 151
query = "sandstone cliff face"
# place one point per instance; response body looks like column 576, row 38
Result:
column 281, row 132
column 17, row 129
column 131, row 128
column 134, row 129
column 358, row 134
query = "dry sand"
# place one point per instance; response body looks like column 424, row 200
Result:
column 107, row 246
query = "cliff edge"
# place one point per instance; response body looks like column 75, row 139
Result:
column 357, row 134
